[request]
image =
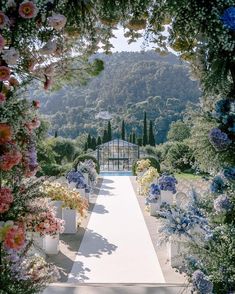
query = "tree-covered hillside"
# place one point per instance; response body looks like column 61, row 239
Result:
column 130, row 84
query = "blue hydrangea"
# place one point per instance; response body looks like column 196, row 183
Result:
column 201, row 282
column 222, row 204
column 217, row 185
column 228, row 18
column 78, row 178
column 168, row 183
column 154, row 194
column 229, row 173
column 218, row 139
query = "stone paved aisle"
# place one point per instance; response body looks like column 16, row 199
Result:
column 116, row 247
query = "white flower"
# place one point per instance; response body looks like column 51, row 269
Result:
column 11, row 3
column 10, row 56
column 57, row 21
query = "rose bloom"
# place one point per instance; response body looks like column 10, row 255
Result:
column 2, row 98
column 6, row 199
column 4, row 73
column 3, row 20
column 10, row 159
column 57, row 21
column 2, row 42
column 5, row 133
column 28, row 10
column 14, row 238
column 13, row 82
column 34, row 124
column 36, row 103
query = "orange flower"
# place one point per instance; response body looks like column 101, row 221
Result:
column 14, row 237
column 5, row 133
column 28, row 10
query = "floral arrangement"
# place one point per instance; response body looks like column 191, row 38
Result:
column 147, row 179
column 71, row 198
column 88, row 166
column 40, row 218
column 78, row 178
column 168, row 183
column 154, row 194
column 143, row 165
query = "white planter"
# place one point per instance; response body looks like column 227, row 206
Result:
column 153, row 207
column 72, row 185
column 176, row 251
column 58, row 207
column 70, row 216
column 52, row 244
column 38, row 241
column 167, row 197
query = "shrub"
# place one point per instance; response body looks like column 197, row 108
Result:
column 153, row 162
column 82, row 158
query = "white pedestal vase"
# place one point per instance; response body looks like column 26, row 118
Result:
column 153, row 207
column 58, row 207
column 38, row 245
column 70, row 216
column 52, row 244
column 176, row 250
column 167, row 197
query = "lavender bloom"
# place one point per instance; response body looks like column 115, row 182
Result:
column 218, row 139
column 222, row 204
column 229, row 173
column 202, row 283
column 228, row 18
column 168, row 183
column 217, row 185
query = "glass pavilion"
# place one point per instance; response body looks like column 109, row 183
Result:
column 117, row 155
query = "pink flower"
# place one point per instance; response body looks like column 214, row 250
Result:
column 28, row 10
column 4, row 20
column 2, row 42
column 57, row 21
column 2, row 98
column 10, row 159
column 14, row 238
column 6, row 199
column 4, row 73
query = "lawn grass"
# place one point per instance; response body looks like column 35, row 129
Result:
column 187, row 176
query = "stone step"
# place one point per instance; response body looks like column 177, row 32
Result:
column 85, row 288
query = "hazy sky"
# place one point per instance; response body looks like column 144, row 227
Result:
column 120, row 43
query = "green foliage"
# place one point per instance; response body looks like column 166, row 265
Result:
column 82, row 158
column 151, row 134
column 105, row 137
column 178, row 131
column 145, row 131
column 123, row 131
column 109, row 131
column 130, row 84
column 153, row 162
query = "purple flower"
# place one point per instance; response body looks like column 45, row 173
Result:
column 202, row 283
column 229, row 173
column 222, row 204
column 228, row 18
column 168, row 183
column 219, row 140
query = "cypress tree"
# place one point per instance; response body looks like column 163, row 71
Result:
column 105, row 137
column 134, row 138
column 89, row 146
column 123, row 135
column 56, row 134
column 93, row 143
column 145, row 133
column 130, row 138
column 85, row 147
column 109, row 131
column 99, row 141
column 151, row 134
column 140, row 141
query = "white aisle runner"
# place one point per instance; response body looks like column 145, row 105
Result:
column 116, row 247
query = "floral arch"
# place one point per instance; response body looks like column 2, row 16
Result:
column 51, row 41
